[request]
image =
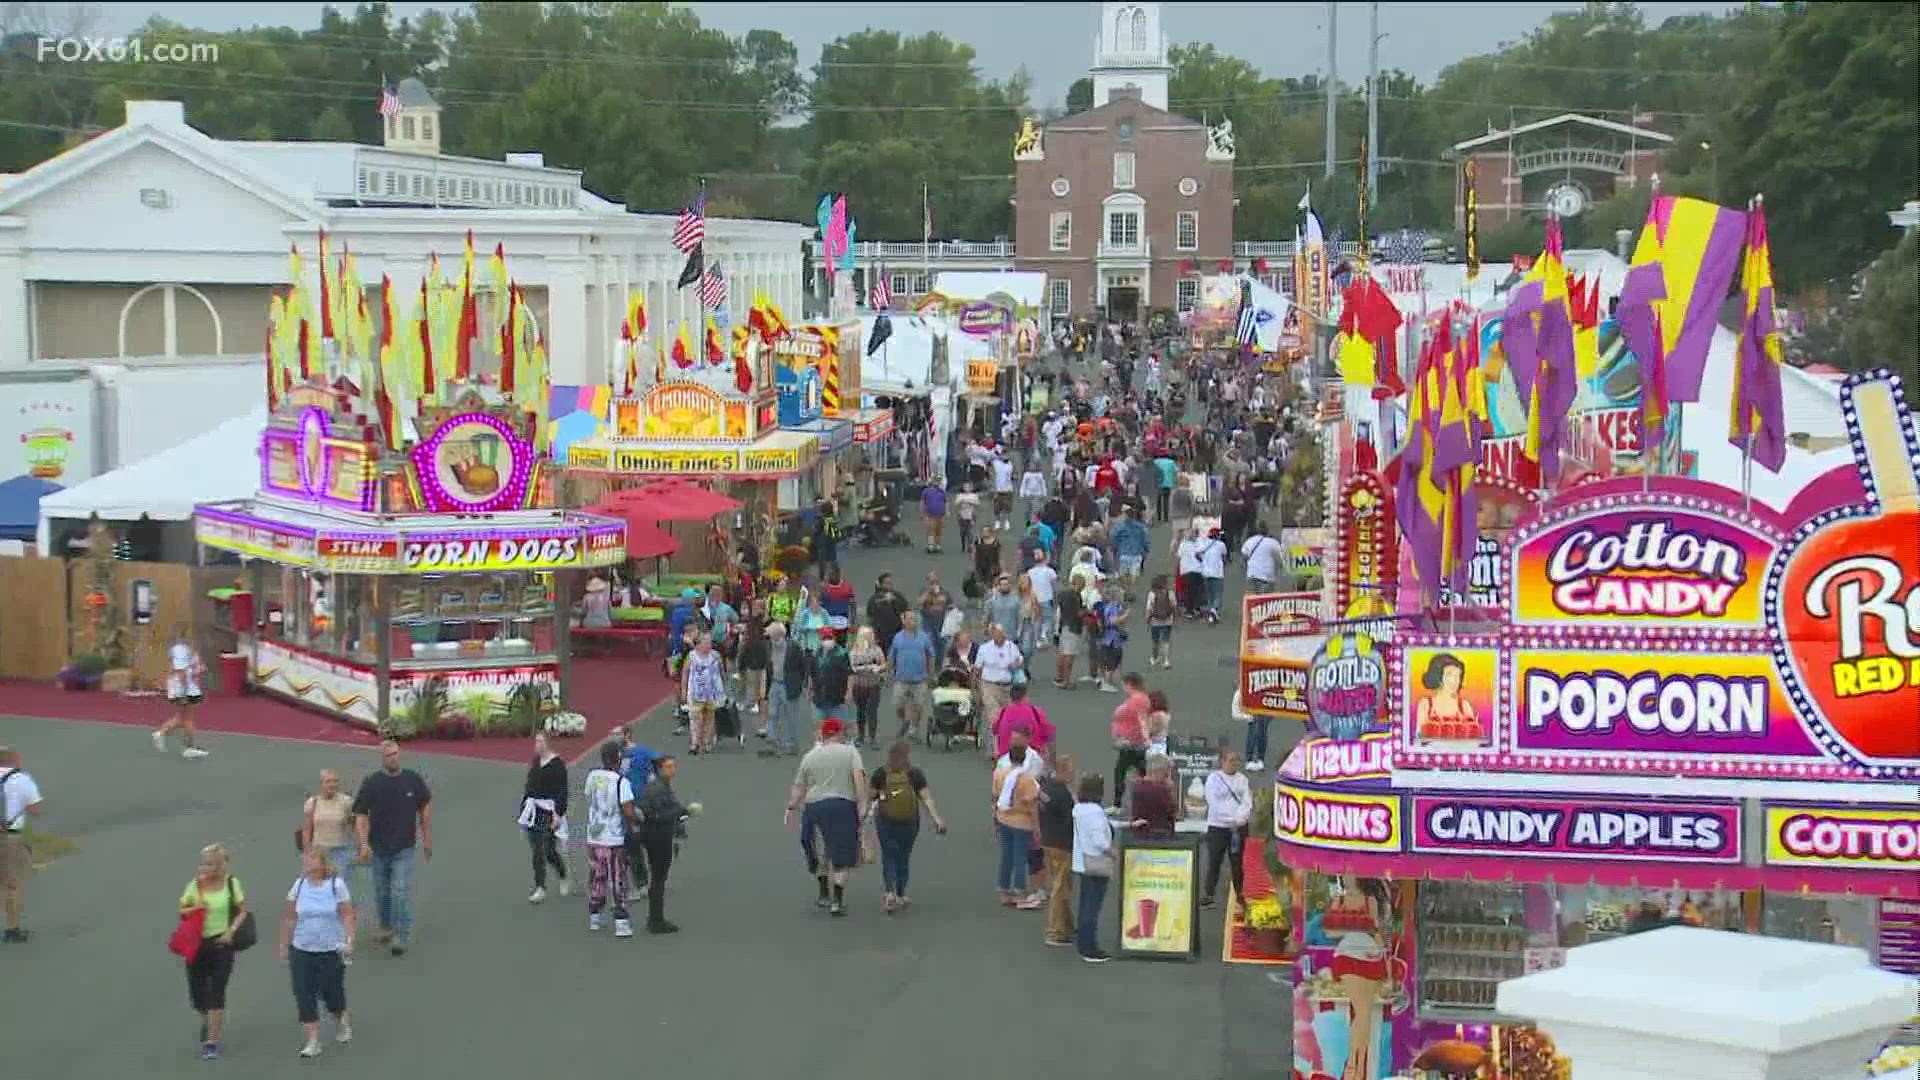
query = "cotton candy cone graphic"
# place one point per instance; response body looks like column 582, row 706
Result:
column 1847, row 610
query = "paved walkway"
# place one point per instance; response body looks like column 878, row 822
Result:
column 759, row 983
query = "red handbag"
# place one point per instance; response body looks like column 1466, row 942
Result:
column 186, row 938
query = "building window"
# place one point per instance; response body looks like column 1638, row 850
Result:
column 392, row 183
column 393, row 128
column 443, row 188
column 1060, row 231
column 1186, row 293
column 1124, row 129
column 419, row 186
column 466, row 190
column 426, row 127
column 900, row 285
column 1123, row 170
column 1123, row 229
column 1060, row 297
column 1186, row 230
column 919, row 283
column 406, row 127
column 1139, row 30
column 361, row 185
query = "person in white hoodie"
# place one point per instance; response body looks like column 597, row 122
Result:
column 1229, row 806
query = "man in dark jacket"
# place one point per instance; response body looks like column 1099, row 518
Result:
column 884, row 609
column 1056, row 842
column 662, row 818
column 832, row 674
column 789, row 669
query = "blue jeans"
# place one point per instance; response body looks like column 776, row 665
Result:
column 1257, row 738
column 1013, row 857
column 392, row 891
column 896, row 850
column 1215, row 586
column 780, row 715
column 1092, row 893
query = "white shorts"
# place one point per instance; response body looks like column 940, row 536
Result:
column 1072, row 643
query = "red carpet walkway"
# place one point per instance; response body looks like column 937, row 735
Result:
column 607, row 691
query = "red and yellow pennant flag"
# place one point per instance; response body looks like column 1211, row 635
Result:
column 683, row 349
column 328, row 290
column 716, row 347
column 427, row 379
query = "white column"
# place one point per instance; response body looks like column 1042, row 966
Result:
column 16, row 313
column 567, row 320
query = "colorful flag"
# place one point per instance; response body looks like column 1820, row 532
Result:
column 881, row 296
column 716, row 346
column 1639, row 316
column 846, row 247
column 1471, row 200
column 742, row 369
column 1758, row 413
column 882, row 330
column 696, row 265
column 389, row 100
column 327, row 291
column 1697, row 245
column 690, row 231
column 682, row 349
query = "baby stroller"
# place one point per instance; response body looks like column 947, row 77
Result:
column 954, row 714
column 879, row 525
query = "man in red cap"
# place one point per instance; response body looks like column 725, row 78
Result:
column 826, row 793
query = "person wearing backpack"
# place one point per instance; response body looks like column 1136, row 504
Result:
column 1161, row 609
column 897, row 791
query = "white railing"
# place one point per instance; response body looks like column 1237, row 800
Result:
column 937, row 251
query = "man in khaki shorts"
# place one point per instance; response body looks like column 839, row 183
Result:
column 19, row 800
column 912, row 665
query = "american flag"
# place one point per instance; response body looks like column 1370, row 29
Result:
column 1247, row 329
column 691, row 230
column 1408, row 247
column 389, row 101
column 713, row 289
column 882, row 297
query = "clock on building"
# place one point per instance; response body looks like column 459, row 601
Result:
column 1566, row 200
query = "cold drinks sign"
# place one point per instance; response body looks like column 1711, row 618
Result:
column 1672, row 629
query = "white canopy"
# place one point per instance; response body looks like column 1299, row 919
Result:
column 218, row 465
column 903, row 364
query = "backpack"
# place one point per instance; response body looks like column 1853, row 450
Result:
column 640, row 767
column 898, row 800
column 1160, row 605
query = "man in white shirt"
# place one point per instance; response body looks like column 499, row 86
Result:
column 996, row 660
column 1044, row 580
column 1002, row 489
column 19, row 800
column 1262, row 553
column 1213, row 568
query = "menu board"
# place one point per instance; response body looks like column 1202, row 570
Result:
column 1193, row 757
column 1159, row 896
column 1900, row 936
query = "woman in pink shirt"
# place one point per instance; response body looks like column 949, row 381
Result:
column 1130, row 734
column 1023, row 715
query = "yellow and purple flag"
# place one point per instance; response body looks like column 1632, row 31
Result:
column 1758, row 424
column 1539, row 341
column 1697, row 246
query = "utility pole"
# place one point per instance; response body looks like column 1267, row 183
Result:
column 1373, row 101
column 1333, row 30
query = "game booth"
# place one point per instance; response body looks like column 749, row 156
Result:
column 767, row 429
column 400, row 561
column 1682, row 707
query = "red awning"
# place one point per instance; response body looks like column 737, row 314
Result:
column 671, row 500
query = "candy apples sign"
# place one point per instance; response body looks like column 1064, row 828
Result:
column 1845, row 599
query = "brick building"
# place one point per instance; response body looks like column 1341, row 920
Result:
column 1125, row 205
column 1564, row 164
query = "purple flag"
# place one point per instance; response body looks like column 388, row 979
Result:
column 1719, row 257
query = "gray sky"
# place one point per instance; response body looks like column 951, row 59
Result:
column 1054, row 41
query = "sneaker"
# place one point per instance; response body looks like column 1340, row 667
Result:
column 538, row 894
column 886, row 904
column 1030, row 903
column 311, row 1050
column 344, row 1035
column 566, row 887
column 1109, row 688
column 399, row 948
column 193, row 753
column 1256, row 765
column 622, row 928
column 14, row 937
column 209, row 1051
column 1207, row 901
column 662, row 927
column 159, row 742
column 1095, row 957
column 1058, row 942
column 837, row 910
column 902, row 902
column 594, row 922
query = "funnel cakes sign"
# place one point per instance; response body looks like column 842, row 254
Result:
column 1675, row 630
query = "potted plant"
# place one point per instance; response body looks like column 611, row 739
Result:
column 1267, row 923
column 83, row 672
column 480, row 708
column 525, row 710
column 419, row 713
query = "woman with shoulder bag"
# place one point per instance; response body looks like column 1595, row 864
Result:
column 227, row 928
column 869, row 664
column 316, row 938
column 1094, row 864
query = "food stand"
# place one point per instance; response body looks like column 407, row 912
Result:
column 1689, row 709
column 402, row 569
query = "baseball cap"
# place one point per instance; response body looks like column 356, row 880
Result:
column 831, row 726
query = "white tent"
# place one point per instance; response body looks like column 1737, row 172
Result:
column 1026, row 288
column 905, row 359
column 215, row 466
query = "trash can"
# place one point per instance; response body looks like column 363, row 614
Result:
column 233, row 673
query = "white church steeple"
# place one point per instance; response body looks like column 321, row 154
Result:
column 1129, row 53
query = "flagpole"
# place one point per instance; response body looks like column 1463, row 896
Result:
column 926, row 237
column 1746, row 420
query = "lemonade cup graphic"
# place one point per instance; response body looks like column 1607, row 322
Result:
column 46, row 452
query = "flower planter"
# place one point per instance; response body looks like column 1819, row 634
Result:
column 1268, row 942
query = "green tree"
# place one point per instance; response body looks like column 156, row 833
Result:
column 1827, row 130
column 1882, row 328
column 331, row 125
column 1080, row 96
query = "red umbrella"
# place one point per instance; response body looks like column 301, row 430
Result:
column 645, row 540
column 672, row 500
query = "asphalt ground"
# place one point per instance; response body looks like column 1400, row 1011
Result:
column 758, row 983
